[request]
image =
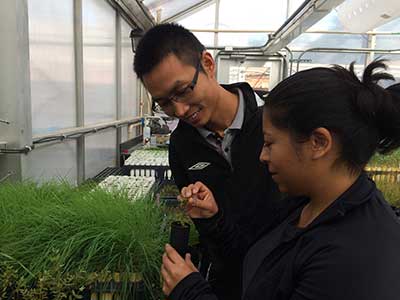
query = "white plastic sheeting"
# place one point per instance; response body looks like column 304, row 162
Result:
column 128, row 76
column 99, row 61
column 52, row 163
column 100, row 152
column 51, row 40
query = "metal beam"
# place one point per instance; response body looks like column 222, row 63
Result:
column 346, row 50
column 118, row 80
column 309, row 13
column 216, row 22
column 15, row 89
column 308, row 31
column 371, row 44
column 68, row 134
column 137, row 12
column 79, row 92
column 87, row 129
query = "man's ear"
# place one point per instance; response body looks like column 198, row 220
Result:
column 321, row 142
column 208, row 64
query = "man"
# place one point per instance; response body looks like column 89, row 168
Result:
column 217, row 141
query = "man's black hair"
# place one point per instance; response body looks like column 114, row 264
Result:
column 163, row 40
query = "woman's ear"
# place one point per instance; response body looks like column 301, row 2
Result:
column 321, row 142
column 208, row 64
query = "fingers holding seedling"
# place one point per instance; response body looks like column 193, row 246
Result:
column 198, row 201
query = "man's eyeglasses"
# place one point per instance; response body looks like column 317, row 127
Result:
column 163, row 104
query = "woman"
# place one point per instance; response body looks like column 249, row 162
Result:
column 321, row 127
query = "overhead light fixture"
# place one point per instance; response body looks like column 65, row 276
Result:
column 365, row 15
column 135, row 35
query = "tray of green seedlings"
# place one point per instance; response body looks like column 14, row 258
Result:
column 133, row 186
column 385, row 171
column 391, row 191
column 391, row 161
column 148, row 157
column 63, row 242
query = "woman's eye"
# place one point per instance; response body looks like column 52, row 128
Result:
column 267, row 145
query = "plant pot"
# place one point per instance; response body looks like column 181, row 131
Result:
column 179, row 237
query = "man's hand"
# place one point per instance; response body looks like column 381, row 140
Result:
column 174, row 269
column 200, row 201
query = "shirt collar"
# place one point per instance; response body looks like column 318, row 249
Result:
column 204, row 132
column 237, row 121
column 356, row 195
column 359, row 193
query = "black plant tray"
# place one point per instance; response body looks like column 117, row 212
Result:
column 159, row 172
column 168, row 200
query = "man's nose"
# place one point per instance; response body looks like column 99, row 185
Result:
column 180, row 109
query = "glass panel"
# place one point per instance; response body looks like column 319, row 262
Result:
column 329, row 23
column 393, row 26
column 317, row 59
column 124, row 134
column 294, row 5
column 128, row 76
column 168, row 8
column 255, row 14
column 52, row 163
column 387, row 42
column 242, row 39
column 100, row 152
column 203, row 19
column 99, row 61
column 206, row 38
column 52, row 65
column 320, row 40
column 128, row 133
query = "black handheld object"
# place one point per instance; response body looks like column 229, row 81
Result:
column 179, row 237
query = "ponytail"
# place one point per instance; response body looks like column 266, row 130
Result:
column 390, row 120
column 379, row 107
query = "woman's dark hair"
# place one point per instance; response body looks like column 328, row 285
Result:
column 162, row 40
column 362, row 116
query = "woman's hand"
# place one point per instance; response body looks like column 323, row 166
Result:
column 200, row 201
column 174, row 268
